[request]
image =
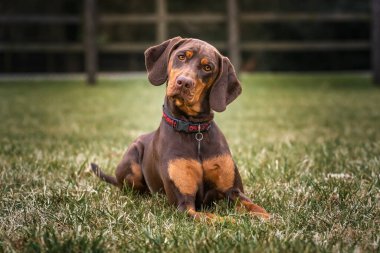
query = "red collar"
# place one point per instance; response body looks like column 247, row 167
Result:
column 185, row 126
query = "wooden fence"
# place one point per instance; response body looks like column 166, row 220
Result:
column 161, row 19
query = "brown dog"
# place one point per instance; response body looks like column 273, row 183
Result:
column 187, row 157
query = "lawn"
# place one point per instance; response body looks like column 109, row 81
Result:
column 308, row 149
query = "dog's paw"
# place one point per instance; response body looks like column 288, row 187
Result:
column 255, row 210
column 265, row 215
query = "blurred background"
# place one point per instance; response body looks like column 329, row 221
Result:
column 70, row 36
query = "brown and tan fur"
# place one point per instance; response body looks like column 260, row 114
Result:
column 199, row 80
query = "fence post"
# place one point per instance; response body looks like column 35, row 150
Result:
column 376, row 41
column 161, row 29
column 90, row 45
column 233, row 33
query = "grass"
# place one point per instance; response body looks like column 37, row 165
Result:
column 308, row 149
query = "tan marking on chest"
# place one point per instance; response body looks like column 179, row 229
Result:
column 220, row 170
column 186, row 175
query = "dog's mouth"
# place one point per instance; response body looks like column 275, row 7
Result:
column 180, row 96
column 178, row 101
column 187, row 100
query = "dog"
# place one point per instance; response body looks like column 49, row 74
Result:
column 187, row 157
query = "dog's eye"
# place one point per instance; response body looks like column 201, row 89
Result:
column 181, row 57
column 207, row 68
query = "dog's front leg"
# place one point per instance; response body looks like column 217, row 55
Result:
column 184, row 178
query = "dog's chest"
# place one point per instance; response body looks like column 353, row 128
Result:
column 188, row 174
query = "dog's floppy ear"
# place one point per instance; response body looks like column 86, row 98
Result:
column 156, row 60
column 226, row 87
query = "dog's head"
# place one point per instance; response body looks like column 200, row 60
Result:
column 198, row 77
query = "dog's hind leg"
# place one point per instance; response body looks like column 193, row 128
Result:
column 128, row 172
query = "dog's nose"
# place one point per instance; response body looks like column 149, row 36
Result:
column 186, row 82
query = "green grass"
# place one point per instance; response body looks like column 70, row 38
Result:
column 291, row 136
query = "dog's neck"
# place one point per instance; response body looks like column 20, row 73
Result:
column 203, row 116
